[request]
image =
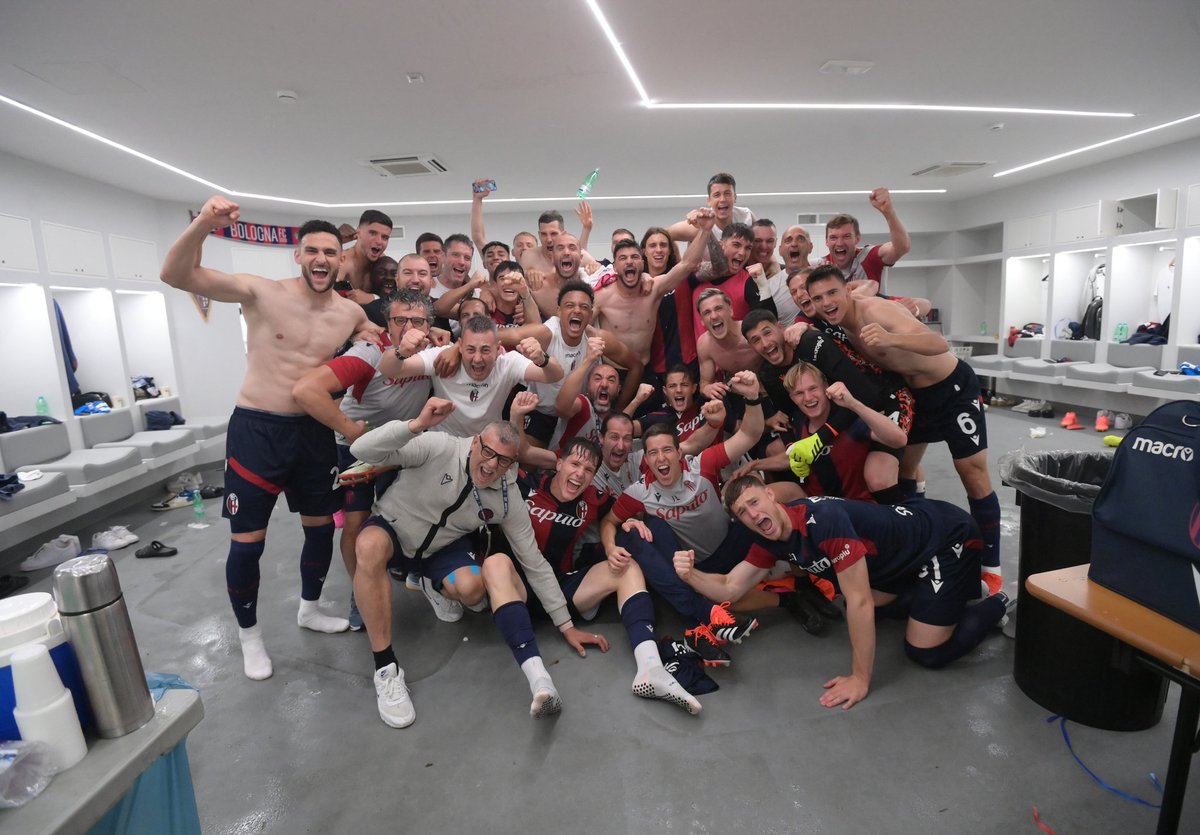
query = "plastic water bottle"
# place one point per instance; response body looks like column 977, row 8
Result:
column 983, row 328
column 586, row 188
column 198, row 510
column 43, row 408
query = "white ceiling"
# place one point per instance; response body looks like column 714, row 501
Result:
column 529, row 92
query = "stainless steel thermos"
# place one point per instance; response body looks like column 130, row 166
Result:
column 93, row 612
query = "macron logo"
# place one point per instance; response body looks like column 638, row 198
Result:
column 1181, row 452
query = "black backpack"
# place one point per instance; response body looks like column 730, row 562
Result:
column 1091, row 318
column 1146, row 519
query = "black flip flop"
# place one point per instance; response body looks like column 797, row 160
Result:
column 156, row 549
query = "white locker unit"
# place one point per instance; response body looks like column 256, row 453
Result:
column 134, row 259
column 17, row 251
column 73, row 251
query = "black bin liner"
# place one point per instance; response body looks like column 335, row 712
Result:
column 1063, row 664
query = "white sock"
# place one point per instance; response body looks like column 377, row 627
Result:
column 255, row 661
column 646, row 655
column 920, row 488
column 535, row 672
column 310, row 617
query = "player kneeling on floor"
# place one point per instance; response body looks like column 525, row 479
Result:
column 919, row 560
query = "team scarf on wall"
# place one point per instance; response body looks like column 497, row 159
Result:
column 266, row 234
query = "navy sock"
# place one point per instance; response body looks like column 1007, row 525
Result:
column 241, row 580
column 315, row 557
column 986, row 512
column 976, row 620
column 908, row 487
column 384, row 657
column 512, row 619
column 638, row 617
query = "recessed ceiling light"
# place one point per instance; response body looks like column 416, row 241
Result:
column 843, row 67
column 415, row 78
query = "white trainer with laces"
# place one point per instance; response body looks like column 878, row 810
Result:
column 111, row 540
column 126, row 536
column 391, row 696
column 446, row 609
column 58, row 550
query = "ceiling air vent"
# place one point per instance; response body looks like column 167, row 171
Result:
column 407, row 166
column 949, row 169
column 814, row 218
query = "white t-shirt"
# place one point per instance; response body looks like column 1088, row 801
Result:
column 568, row 357
column 477, row 402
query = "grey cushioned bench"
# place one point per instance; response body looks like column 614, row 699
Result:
column 1135, row 356
column 44, row 495
column 1041, row 368
column 1027, row 347
column 991, row 365
column 1102, row 373
column 48, row 448
column 1174, row 384
column 115, row 429
column 202, row 428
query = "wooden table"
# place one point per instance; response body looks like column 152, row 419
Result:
column 1165, row 646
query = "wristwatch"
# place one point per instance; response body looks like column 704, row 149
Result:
column 545, row 360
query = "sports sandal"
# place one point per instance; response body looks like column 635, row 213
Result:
column 156, row 549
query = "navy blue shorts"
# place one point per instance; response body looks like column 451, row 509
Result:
column 358, row 498
column 541, row 426
column 951, row 411
column 267, row 454
column 950, row 579
column 436, row 566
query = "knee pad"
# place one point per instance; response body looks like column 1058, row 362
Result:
column 932, row 657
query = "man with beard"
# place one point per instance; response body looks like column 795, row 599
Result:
column 509, row 299
column 564, row 505
column 587, row 394
column 439, row 514
column 273, row 447
column 567, row 259
column 383, row 285
column 881, row 391
column 863, row 266
column 945, row 390
column 550, row 226
column 373, row 398
column 624, row 309
column 370, row 242
column 679, row 502
column 721, row 348
column 480, row 384
column 565, row 338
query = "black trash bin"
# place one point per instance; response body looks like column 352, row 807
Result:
column 1064, row 665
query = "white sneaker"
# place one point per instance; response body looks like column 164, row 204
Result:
column 127, row 536
column 184, row 483
column 1122, row 421
column 175, row 501
column 58, row 550
column 112, row 540
column 446, row 609
column 391, row 696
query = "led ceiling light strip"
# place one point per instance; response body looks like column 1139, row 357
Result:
column 1096, row 145
column 651, row 104
column 104, row 140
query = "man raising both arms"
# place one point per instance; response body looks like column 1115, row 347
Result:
column 273, row 447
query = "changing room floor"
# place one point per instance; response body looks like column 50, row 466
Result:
column 961, row 750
